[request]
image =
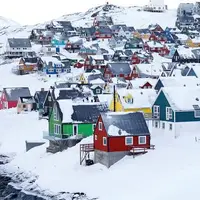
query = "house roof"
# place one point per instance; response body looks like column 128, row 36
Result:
column 19, row 42
column 13, row 94
column 150, row 69
column 142, row 98
column 82, row 112
column 181, row 81
column 125, row 124
column 182, row 98
column 67, row 93
column 119, row 68
column 139, row 82
column 41, row 95
column 104, row 30
column 27, row 99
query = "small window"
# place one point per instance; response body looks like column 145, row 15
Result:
column 170, row 127
column 156, row 124
column 95, row 137
column 142, row 140
column 129, row 141
column 163, row 125
column 100, row 126
column 197, row 113
column 104, row 141
column 98, row 91
column 49, row 98
column 168, row 113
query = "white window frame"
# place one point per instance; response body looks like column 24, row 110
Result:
column 168, row 113
column 156, row 111
column 104, row 141
column 56, row 114
column 139, row 142
column 98, row 91
column 100, row 126
column 57, row 129
column 195, row 113
column 127, row 138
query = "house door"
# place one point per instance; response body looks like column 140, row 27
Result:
column 75, row 129
column 29, row 107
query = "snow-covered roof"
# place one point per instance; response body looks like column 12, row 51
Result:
column 67, row 109
column 105, row 98
column 48, row 59
column 154, row 69
column 142, row 98
column 154, row 44
column 97, row 81
column 186, row 52
column 182, row 81
column 181, row 36
column 139, row 82
column 97, row 57
column 182, row 98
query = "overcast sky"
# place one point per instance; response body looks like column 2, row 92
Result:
column 37, row 11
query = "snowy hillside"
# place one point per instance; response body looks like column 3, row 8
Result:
column 121, row 15
column 4, row 22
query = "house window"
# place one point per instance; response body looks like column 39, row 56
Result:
column 197, row 113
column 56, row 114
column 156, row 112
column 57, row 129
column 100, row 126
column 95, row 137
column 98, row 91
column 142, row 140
column 163, row 125
column 170, row 127
column 129, row 141
column 168, row 113
column 104, row 141
column 49, row 98
column 156, row 124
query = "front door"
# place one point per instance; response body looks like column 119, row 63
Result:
column 75, row 129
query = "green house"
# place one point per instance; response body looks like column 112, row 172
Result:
column 176, row 108
column 97, row 89
column 74, row 120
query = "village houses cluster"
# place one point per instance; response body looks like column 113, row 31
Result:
column 116, row 90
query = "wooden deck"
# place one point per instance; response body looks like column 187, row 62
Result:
column 135, row 150
column 85, row 150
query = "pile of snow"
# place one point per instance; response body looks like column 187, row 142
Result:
column 114, row 131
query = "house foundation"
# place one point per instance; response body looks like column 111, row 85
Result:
column 108, row 158
column 59, row 145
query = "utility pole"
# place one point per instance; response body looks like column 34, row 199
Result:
column 114, row 94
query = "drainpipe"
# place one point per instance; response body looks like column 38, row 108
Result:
column 114, row 94
column 175, row 136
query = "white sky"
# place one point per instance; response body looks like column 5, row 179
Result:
column 37, row 11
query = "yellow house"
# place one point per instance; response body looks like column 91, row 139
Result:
column 142, row 35
column 195, row 42
column 94, row 77
column 133, row 100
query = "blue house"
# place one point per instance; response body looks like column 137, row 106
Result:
column 57, row 42
column 176, row 112
column 52, row 66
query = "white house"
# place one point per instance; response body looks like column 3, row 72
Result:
column 18, row 47
column 156, row 6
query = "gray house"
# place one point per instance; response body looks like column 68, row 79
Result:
column 185, row 9
column 17, row 47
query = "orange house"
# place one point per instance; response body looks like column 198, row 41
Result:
column 27, row 65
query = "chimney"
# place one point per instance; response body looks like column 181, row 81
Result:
column 42, row 89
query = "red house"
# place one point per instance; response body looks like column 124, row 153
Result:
column 140, row 57
column 10, row 96
column 156, row 47
column 158, row 36
column 122, row 70
column 116, row 134
column 94, row 62
column 155, row 28
column 142, row 83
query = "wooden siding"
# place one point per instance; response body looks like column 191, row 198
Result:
column 186, row 116
column 163, row 103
